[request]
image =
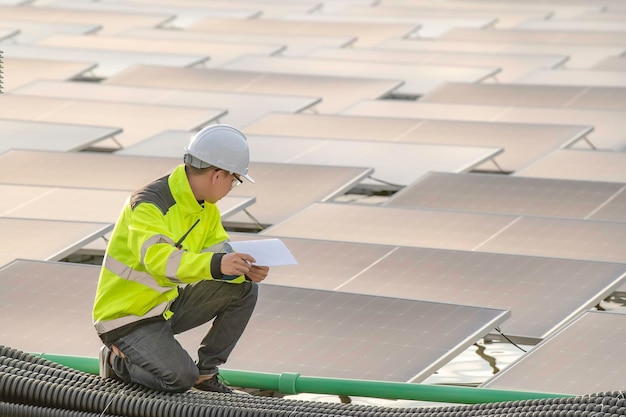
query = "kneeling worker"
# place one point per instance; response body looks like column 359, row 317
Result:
column 166, row 270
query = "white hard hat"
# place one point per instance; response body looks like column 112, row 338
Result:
column 221, row 146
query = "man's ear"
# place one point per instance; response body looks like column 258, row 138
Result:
column 214, row 175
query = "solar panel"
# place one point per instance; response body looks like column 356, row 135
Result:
column 312, row 332
column 283, row 189
column 82, row 204
column 69, row 204
column 581, row 24
column 109, row 62
column 392, row 226
column 562, row 238
column 31, row 32
column 45, row 239
column 446, row 229
column 280, row 189
column 138, row 121
column 609, row 98
column 7, row 33
column 583, row 165
column 607, row 133
column 330, row 334
column 611, row 63
column 574, row 77
column 336, row 92
column 513, row 195
column 40, row 296
column 429, row 26
column 418, row 78
column 511, row 66
column 395, row 163
column 537, row 35
column 613, row 210
column 366, row 33
column 51, row 136
column 242, row 108
column 523, row 143
column 586, row 356
column 217, row 52
column 440, row 16
column 18, row 72
column 542, row 293
column 295, row 44
column 82, row 170
column 580, row 56
column 184, row 13
column 109, row 22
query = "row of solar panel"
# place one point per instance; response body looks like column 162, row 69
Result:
column 388, row 292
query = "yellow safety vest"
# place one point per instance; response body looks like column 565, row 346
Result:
column 142, row 267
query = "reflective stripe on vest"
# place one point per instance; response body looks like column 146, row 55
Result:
column 106, row 326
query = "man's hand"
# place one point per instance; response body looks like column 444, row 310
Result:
column 243, row 264
column 236, row 263
column 258, row 273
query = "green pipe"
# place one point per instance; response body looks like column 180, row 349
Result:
column 293, row 383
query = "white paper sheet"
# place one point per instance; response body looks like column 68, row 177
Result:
column 266, row 252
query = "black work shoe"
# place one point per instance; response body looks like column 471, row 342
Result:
column 213, row 384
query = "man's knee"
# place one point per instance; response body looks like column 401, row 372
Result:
column 180, row 380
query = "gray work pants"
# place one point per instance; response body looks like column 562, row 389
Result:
column 154, row 358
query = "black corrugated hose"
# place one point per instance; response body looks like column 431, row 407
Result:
column 31, row 386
